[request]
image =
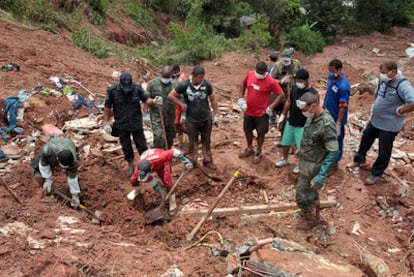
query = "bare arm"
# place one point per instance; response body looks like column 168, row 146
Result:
column 242, row 90
column 214, row 104
column 107, row 114
column 277, row 101
column 175, row 98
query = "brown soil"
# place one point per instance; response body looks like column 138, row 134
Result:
column 38, row 238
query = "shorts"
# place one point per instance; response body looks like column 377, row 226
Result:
column 261, row 124
column 292, row 135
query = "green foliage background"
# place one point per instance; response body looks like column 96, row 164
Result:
column 210, row 27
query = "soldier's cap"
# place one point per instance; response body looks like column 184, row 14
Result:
column 306, row 99
column 144, row 168
column 287, row 54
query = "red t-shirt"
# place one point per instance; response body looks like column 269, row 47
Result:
column 258, row 93
column 161, row 163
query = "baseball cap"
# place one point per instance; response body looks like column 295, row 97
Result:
column 144, row 168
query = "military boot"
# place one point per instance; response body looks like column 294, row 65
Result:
column 308, row 220
column 207, row 159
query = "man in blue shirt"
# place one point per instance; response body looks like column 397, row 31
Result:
column 336, row 102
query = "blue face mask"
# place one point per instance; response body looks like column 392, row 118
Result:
column 332, row 75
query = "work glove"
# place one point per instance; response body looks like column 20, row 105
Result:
column 75, row 201
column 397, row 110
column 189, row 166
column 242, row 104
column 285, row 80
column 133, row 193
column 158, row 101
column 281, row 118
column 216, row 119
column 107, row 128
column 338, row 129
column 269, row 111
column 48, row 186
column 317, row 183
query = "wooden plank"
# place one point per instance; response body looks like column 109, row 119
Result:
column 257, row 209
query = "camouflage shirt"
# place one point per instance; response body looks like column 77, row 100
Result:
column 156, row 88
column 319, row 138
column 280, row 70
column 50, row 151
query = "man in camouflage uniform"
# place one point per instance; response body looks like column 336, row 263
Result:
column 318, row 152
column 161, row 86
column 58, row 153
column 284, row 71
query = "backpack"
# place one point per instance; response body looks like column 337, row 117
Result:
column 389, row 86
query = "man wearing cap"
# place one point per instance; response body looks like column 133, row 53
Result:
column 58, row 153
column 293, row 128
column 273, row 59
column 161, row 86
column 123, row 101
column 256, row 108
column 157, row 161
column 198, row 95
column 317, row 154
column 284, row 71
column 336, row 102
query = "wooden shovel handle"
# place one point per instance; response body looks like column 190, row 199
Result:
column 190, row 236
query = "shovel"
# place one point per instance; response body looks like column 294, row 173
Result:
column 95, row 214
column 161, row 211
column 164, row 133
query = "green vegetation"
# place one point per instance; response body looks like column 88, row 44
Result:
column 84, row 39
column 215, row 26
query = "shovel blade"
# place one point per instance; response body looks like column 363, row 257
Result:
column 156, row 214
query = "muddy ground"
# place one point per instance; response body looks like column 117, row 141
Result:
column 42, row 236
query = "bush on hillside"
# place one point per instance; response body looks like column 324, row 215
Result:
column 304, row 39
column 85, row 40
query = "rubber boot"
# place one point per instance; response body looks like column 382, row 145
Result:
column 207, row 159
column 130, row 168
column 307, row 221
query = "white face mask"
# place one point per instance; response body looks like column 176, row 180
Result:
column 260, row 76
column 165, row 81
column 287, row 62
column 300, row 85
column 384, row 77
column 308, row 114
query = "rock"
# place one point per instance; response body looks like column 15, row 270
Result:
column 410, row 156
column 109, row 138
column 398, row 154
column 10, row 149
column 50, row 129
column 47, row 234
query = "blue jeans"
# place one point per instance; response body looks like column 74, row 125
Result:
column 385, row 143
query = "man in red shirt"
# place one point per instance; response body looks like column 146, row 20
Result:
column 256, row 107
column 158, row 161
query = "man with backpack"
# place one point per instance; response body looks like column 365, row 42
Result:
column 394, row 97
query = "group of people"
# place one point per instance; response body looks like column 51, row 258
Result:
column 314, row 129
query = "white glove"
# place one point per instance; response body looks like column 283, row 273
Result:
column 75, row 201
column 372, row 109
column 281, row 118
column 158, row 100
column 242, row 104
column 47, row 186
column 216, row 119
column 397, row 110
column 107, row 128
column 269, row 111
column 285, row 80
column 189, row 166
column 338, row 129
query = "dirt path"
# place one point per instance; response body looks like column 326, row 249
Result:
column 43, row 237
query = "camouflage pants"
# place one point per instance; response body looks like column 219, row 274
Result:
column 305, row 197
column 169, row 116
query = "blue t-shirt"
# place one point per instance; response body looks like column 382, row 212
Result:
column 338, row 92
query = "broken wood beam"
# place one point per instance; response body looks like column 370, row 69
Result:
column 10, row 191
column 257, row 209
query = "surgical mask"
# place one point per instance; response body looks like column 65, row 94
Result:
column 63, row 166
column 287, row 62
column 308, row 114
column 165, row 81
column 300, row 85
column 260, row 76
column 332, row 75
column 384, row 77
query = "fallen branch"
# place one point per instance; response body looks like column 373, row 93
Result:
column 10, row 191
column 258, row 209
